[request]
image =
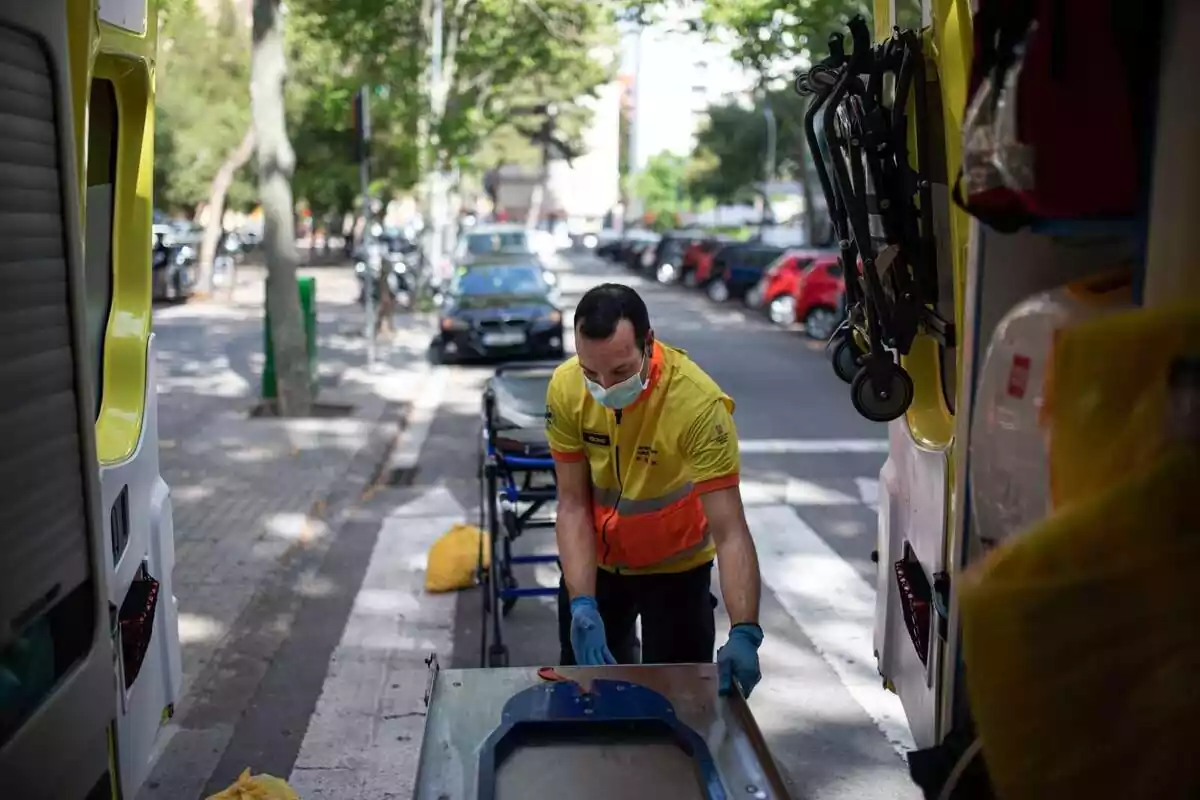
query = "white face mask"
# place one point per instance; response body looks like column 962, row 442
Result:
column 619, row 395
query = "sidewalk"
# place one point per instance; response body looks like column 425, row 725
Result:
column 257, row 502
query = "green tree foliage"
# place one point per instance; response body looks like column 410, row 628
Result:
column 732, row 144
column 661, row 185
column 203, row 104
column 501, row 58
column 321, row 117
column 770, row 37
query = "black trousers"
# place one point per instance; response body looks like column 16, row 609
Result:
column 676, row 611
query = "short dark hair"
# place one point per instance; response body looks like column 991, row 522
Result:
column 604, row 306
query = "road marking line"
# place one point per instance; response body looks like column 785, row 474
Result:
column 833, row 606
column 811, row 446
column 420, row 420
column 793, row 491
column 868, row 490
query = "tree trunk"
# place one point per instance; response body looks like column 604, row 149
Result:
column 216, row 204
column 276, row 160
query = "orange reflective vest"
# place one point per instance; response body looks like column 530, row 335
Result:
column 651, row 463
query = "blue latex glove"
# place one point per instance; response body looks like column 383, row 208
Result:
column 587, row 634
column 737, row 661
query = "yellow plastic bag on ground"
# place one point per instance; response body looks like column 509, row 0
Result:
column 454, row 558
column 257, row 787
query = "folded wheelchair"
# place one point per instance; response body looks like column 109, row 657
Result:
column 858, row 130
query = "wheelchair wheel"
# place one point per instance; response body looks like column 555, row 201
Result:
column 845, row 356
column 882, row 393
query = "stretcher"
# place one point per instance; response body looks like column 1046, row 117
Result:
column 517, row 493
column 634, row 732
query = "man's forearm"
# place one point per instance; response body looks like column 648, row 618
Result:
column 576, row 550
column 740, row 583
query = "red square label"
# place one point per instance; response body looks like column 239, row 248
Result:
column 1018, row 376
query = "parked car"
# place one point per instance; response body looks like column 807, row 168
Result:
column 638, row 250
column 609, row 248
column 619, row 250
column 486, row 240
column 738, row 269
column 667, row 259
column 820, row 298
column 702, row 273
column 697, row 253
column 594, row 240
column 501, row 309
column 776, row 291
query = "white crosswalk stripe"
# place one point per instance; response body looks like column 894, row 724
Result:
column 868, row 491
column 832, row 605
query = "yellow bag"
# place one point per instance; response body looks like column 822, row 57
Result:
column 1080, row 636
column 454, row 558
column 257, row 787
column 1107, row 401
column 1082, row 646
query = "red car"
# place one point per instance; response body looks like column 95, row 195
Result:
column 777, row 288
column 817, row 301
column 702, row 262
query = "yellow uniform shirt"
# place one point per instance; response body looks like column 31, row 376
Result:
column 650, row 463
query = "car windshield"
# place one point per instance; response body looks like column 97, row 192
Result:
column 480, row 243
column 500, row 280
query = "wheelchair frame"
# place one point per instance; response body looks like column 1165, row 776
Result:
column 881, row 209
column 506, row 483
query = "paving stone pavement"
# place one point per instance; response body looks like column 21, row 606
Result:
column 247, row 492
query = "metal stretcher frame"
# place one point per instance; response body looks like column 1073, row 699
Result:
column 658, row 731
column 506, row 482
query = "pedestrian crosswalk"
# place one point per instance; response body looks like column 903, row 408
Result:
column 832, row 604
column 367, row 722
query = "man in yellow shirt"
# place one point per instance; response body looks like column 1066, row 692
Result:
column 646, row 461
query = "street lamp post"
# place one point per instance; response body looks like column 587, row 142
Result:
column 636, row 109
column 771, row 131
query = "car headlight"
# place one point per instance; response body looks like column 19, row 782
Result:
column 554, row 317
column 454, row 324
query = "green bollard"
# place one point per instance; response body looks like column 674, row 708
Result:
column 308, row 312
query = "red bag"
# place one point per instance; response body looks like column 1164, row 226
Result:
column 1066, row 85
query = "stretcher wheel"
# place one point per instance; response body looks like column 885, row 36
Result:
column 846, row 357
column 881, row 393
